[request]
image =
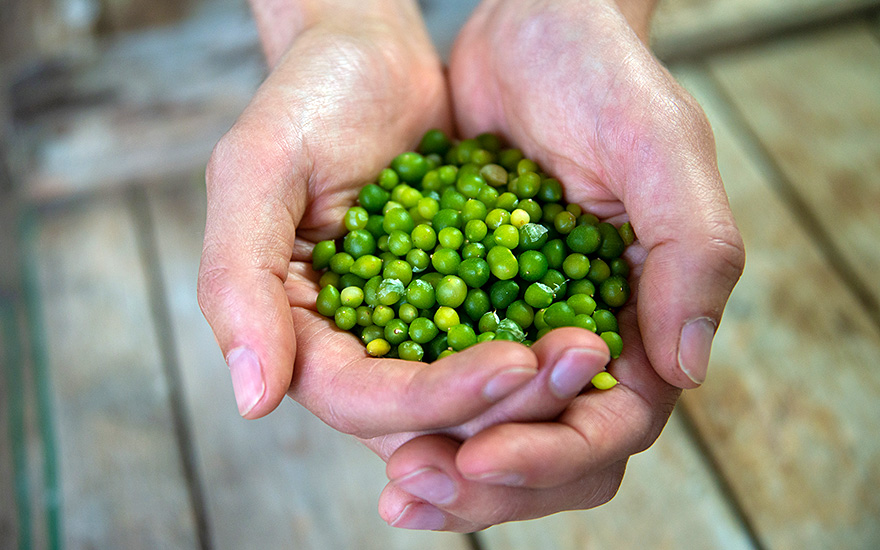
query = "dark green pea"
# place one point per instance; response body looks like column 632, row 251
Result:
column 582, row 304
column 423, row 330
column 527, row 165
column 539, row 322
column 556, row 281
column 564, row 222
column 576, row 266
column 432, row 277
column 612, row 245
column 473, row 250
column 410, row 166
column 364, row 316
column 539, row 295
column 528, row 185
column 341, row 263
column 532, row 265
column 559, row 314
column 599, row 271
column 446, row 261
column 358, row 243
column 550, row 211
column 502, row 262
column 475, row 272
column 584, row 239
column 434, row 141
column 373, row 198
column 575, row 209
column 451, row 291
column 328, row 301
column 382, row 243
column 614, row 291
column 489, row 141
column 509, row 330
column 418, row 259
column 387, row 257
column 584, row 321
column 420, row 293
column 367, row 266
column 345, row 317
column 588, row 219
column 374, row 225
column 398, row 219
column 509, row 158
column 550, row 191
column 435, row 347
column 351, row 280
column 581, row 286
column 619, row 266
column 532, row 236
column 396, row 332
column 554, row 251
column 447, row 217
column 461, row 336
column 322, row 253
column 382, row 315
column 614, row 342
column 329, row 278
column 476, row 304
column 371, row 333
column 450, row 237
column 461, row 152
column 521, row 313
column 605, row 321
column 410, row 351
column 503, row 293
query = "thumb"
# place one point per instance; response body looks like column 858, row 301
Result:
column 249, row 238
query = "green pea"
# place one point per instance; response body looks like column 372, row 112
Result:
column 461, row 336
column 451, row 237
column 329, row 278
column 554, row 251
column 422, row 330
column 408, row 313
column 533, row 236
column 410, row 351
column 398, row 219
column 581, row 286
column 612, row 244
column 322, row 253
column 447, row 217
column 614, row 341
column 576, row 265
column 539, row 295
column 328, row 301
column 356, row 218
column 475, row 272
column 564, row 222
column 539, row 321
column 420, row 293
column 506, row 235
column 605, row 321
column 388, row 179
column 494, row 174
column 488, row 196
column 476, row 304
column 374, row 226
column 502, row 262
column 435, row 141
column 359, row 243
column 582, row 304
column 399, row 243
column 469, row 185
column 418, row 259
column 390, row 291
column 619, row 266
column 410, row 166
column 599, row 271
column 559, row 314
column 550, row 210
column 507, row 201
column 398, row 269
column 446, row 261
column 521, row 313
column 373, row 198
column 371, row 291
column 378, row 347
column 550, row 191
column 451, row 291
column 446, row 318
column 556, row 281
column 496, row 218
column 614, row 291
column 367, row 266
column 509, row 158
column 396, row 332
column 364, row 316
column 532, row 265
column 584, row 321
column 474, row 230
column 352, row 296
column 382, row 315
column 627, row 234
column 488, row 322
column 584, row 239
column 503, row 293
column 604, row 380
column 345, row 318
column 424, row 237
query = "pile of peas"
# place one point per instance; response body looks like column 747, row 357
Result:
column 461, row 243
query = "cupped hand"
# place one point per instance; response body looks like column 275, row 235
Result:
column 572, row 84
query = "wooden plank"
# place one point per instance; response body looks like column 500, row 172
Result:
column 814, row 104
column 121, row 482
column 789, row 410
column 687, row 27
column 286, row 477
column 668, row 500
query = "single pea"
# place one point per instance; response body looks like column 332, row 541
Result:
column 507, row 236
column 519, row 218
column 532, row 265
column 352, row 296
column 388, row 179
column 605, row 321
column 559, row 314
column 447, row 217
column 446, row 261
column 373, row 198
column 549, row 212
column 475, row 272
column 542, row 332
column 410, row 166
column 502, row 262
column 382, row 243
column 612, row 244
column 398, row 219
column 488, row 196
column 576, row 265
column 581, row 286
column 469, row 184
column 599, row 271
column 451, row 237
column 374, row 226
column 485, row 337
column 396, row 332
column 614, row 291
column 575, row 209
column 322, row 253
column 489, row 141
column 410, row 351
column 532, row 236
column 582, row 304
column 445, row 318
column 603, row 381
column 619, row 266
column 399, row 243
column 356, row 218
column 431, row 182
column 564, row 222
column 507, row 201
column 382, row 315
column 539, row 321
column 345, row 318
column 461, row 336
column 390, row 291
column 488, row 322
column 451, row 291
column 556, row 281
column 584, row 321
column 329, row 278
column 371, row 291
column 428, row 207
column 473, row 250
column 422, row 330
column 420, row 293
column 452, row 199
column 371, row 332
column 434, row 141
column 418, row 259
column 398, row 269
column 614, row 341
column 387, row 257
column 521, row 313
column 509, row 158
column 406, row 195
column 550, row 191
column 359, row 243
column 509, row 330
column 496, row 218
column 627, row 234
column 539, row 295
column 461, row 151
column 528, row 185
column 432, row 277
column 588, row 219
column 328, row 301
column 378, row 347
column 364, row 316
column 494, row 174
column 584, row 239
column 473, row 210
column 435, row 347
column 527, row 165
column 408, row 313
column 477, row 303
column 424, row 237
column 445, row 353
column 554, row 251
column 367, row 266
column 475, row 230
column 503, row 293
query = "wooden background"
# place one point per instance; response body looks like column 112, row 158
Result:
column 117, row 424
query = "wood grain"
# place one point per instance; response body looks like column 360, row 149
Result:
column 121, row 482
column 281, row 480
column 790, row 407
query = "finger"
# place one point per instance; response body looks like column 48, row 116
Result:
column 254, row 202
column 368, row 397
column 423, row 472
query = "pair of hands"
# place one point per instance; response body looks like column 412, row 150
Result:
column 498, row 432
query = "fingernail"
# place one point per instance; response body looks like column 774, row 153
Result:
column 574, row 370
column 247, row 378
column 423, row 517
column 694, row 348
column 429, row 484
column 510, row 479
column 503, row 384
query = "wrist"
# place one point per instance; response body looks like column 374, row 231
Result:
column 280, row 22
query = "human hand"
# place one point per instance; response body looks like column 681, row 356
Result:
column 572, row 84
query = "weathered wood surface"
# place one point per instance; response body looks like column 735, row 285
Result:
column 287, row 479
column 120, row 472
column 687, row 27
column 669, row 500
column 790, row 407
